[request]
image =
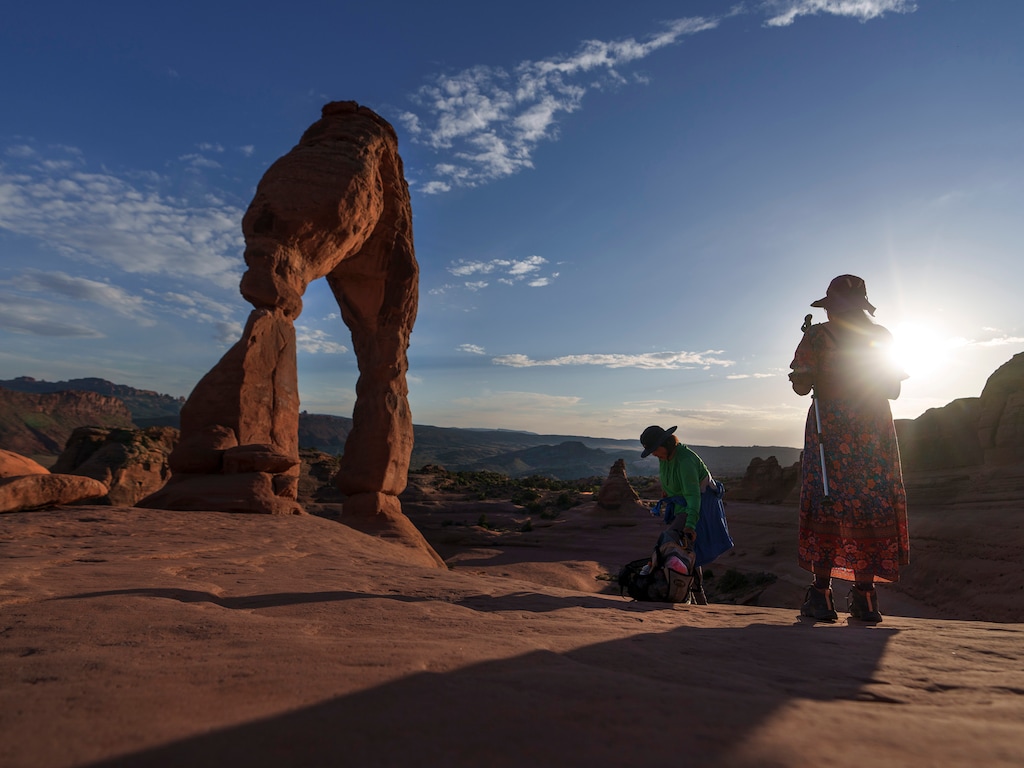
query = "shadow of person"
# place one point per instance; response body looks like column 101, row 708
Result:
column 688, row 696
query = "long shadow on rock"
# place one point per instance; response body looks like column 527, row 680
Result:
column 688, row 696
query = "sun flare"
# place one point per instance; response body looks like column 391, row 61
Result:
column 919, row 349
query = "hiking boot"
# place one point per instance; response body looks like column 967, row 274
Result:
column 818, row 605
column 863, row 605
column 697, row 594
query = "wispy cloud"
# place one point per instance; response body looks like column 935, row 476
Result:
column 473, row 349
column 650, row 361
column 315, row 342
column 39, row 317
column 203, row 309
column 520, row 402
column 487, row 121
column 505, row 271
column 132, row 226
column 782, row 13
column 1001, row 341
column 112, row 297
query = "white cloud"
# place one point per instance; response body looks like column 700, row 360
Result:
column 199, row 161
column 785, row 12
column 38, row 317
column 487, row 121
column 20, row 150
column 511, row 271
column 315, row 342
column 490, row 120
column 471, row 348
column 228, row 332
column 127, row 225
column 1001, row 341
column 83, row 289
column 648, row 361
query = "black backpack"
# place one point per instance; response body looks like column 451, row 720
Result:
column 651, row 586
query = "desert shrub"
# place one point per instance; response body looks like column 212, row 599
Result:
column 525, row 496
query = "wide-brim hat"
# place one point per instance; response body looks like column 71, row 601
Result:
column 652, row 439
column 846, row 293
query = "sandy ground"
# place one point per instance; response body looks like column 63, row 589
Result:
column 133, row 637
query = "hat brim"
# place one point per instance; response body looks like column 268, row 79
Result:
column 843, row 305
column 648, row 451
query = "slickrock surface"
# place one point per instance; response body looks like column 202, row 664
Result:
column 142, row 637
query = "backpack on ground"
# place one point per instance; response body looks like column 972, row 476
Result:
column 660, row 585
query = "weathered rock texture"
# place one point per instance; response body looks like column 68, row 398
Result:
column 615, row 490
column 336, row 206
column 26, row 484
column 132, row 463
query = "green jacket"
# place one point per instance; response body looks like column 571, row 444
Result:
column 681, row 475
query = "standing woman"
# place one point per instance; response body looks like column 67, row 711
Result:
column 859, row 531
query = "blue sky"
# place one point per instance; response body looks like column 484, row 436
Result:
column 622, row 211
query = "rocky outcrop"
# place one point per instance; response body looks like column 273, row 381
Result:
column 941, row 438
column 972, row 431
column 36, row 424
column 767, row 482
column 131, row 463
column 335, row 207
column 616, row 491
column 1001, row 417
column 26, row 484
column 147, row 408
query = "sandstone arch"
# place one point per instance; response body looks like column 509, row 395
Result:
column 335, row 207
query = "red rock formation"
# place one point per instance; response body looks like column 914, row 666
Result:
column 25, row 484
column 766, row 481
column 1001, row 421
column 615, row 490
column 37, row 423
column 132, row 463
column 336, row 206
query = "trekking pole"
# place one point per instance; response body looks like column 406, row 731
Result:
column 825, row 501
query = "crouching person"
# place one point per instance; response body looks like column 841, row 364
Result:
column 684, row 477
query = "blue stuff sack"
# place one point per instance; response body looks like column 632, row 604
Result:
column 713, row 537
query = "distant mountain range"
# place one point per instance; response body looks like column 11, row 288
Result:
column 148, row 409
column 517, row 454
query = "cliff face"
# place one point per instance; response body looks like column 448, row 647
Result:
column 942, row 438
column 148, row 408
column 35, row 424
column 973, row 431
column 1001, row 417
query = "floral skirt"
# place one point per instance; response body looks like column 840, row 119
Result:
column 861, row 532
